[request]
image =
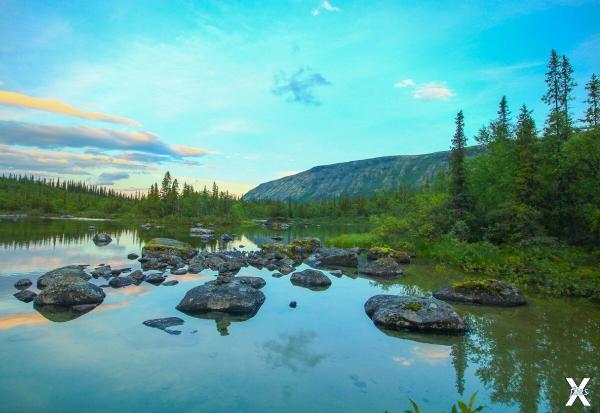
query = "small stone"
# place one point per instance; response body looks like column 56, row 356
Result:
column 293, row 304
column 170, row 283
column 336, row 273
column 132, row 256
column 23, row 284
column 25, row 295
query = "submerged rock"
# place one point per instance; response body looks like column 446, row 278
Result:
column 312, row 279
column 484, row 292
column 170, row 283
column 164, row 248
column 133, row 256
column 70, row 292
column 236, row 297
column 23, row 283
column 102, row 239
column 60, row 273
column 25, row 295
column 293, row 304
column 254, row 282
column 164, row 324
column 396, row 312
column 137, row 275
column 385, row 267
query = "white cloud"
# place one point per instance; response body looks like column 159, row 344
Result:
column 327, row 6
column 432, row 91
column 405, row 83
column 426, row 91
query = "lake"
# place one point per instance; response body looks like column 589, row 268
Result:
column 323, row 356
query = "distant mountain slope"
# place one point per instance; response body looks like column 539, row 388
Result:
column 363, row 177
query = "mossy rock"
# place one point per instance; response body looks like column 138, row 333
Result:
column 304, row 246
column 401, row 257
column 159, row 247
column 484, row 292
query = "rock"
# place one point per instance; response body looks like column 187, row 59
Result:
column 25, row 295
column 226, row 238
column 312, row 279
column 91, row 228
column 277, row 275
column 401, row 257
column 137, row 275
column 155, row 278
column 167, row 247
column 285, row 269
column 102, row 239
column 338, row 256
column 132, row 256
column 241, row 246
column 396, row 312
column 70, row 291
column 254, row 282
column 305, row 246
column 385, row 267
column 118, row 271
column 23, row 283
column 60, row 273
column 164, row 324
column 146, row 226
column 336, row 273
column 277, row 238
column 179, row 271
column 484, row 292
column 293, row 304
column 234, row 297
column 170, row 283
column 102, row 271
column 120, row 282
column 201, row 231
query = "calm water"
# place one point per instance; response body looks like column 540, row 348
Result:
column 324, row 356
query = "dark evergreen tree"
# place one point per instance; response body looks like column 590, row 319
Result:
column 458, row 175
column 592, row 112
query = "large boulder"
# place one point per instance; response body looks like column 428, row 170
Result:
column 485, row 292
column 396, row 312
column 102, row 239
column 70, row 291
column 60, row 273
column 385, row 267
column 234, row 297
column 312, row 279
column 338, row 257
column 167, row 247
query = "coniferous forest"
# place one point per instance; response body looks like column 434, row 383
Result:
column 527, row 207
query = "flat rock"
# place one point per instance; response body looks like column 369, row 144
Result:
column 386, row 267
column 254, row 282
column 23, row 283
column 60, row 273
column 485, row 292
column 70, row 292
column 234, row 297
column 179, row 271
column 166, row 247
column 170, row 283
column 310, row 279
column 155, row 278
column 137, row 275
column 133, row 256
column 164, row 324
column 338, row 256
column 25, row 295
column 396, row 312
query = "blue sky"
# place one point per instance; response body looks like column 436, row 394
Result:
column 117, row 92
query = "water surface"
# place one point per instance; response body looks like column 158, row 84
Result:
column 323, row 356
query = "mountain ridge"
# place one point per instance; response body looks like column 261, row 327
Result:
column 352, row 178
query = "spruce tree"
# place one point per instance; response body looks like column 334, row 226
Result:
column 501, row 127
column 592, row 113
column 567, row 84
column 553, row 95
column 525, row 168
column 458, row 176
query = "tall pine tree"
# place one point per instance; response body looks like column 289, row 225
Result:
column 592, row 112
column 458, row 175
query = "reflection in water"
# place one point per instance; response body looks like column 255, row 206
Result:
column 60, row 314
column 222, row 320
column 517, row 359
column 292, row 351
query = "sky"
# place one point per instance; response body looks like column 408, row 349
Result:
column 116, row 93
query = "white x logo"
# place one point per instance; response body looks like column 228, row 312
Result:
column 578, row 391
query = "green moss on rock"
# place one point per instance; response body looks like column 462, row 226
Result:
column 478, row 285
